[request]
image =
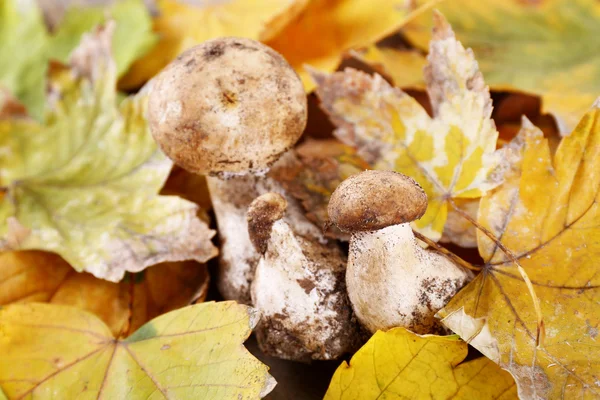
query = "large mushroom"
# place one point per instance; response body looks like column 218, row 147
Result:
column 229, row 108
column 391, row 280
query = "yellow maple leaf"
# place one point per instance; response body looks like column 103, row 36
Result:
column 547, row 214
column 399, row 364
column 557, row 38
column 35, row 276
column 452, row 155
column 59, row 352
column 403, row 67
column 181, row 25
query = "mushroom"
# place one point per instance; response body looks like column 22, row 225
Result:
column 391, row 280
column 229, row 108
column 298, row 288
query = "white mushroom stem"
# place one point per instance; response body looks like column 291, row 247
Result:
column 392, row 281
column 238, row 258
column 299, row 290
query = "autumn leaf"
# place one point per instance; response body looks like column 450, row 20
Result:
column 546, row 213
column 399, row 364
column 132, row 37
column 23, row 53
column 452, row 155
column 403, row 67
column 35, row 276
column 315, row 32
column 85, row 183
column 312, row 176
column 549, row 48
column 190, row 186
column 50, row 351
column 182, row 25
column 326, row 29
column 27, row 46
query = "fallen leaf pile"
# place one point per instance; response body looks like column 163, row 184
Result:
column 76, row 184
column 110, row 266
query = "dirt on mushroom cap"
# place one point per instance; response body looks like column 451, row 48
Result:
column 262, row 214
column 228, row 105
column 373, row 200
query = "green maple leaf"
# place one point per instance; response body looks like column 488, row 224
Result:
column 24, row 52
column 84, row 184
column 27, row 46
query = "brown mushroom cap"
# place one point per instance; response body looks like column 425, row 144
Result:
column 228, row 105
column 373, row 200
column 263, row 212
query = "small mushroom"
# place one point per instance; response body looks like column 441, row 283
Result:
column 229, row 108
column 298, row 288
column 231, row 199
column 391, row 280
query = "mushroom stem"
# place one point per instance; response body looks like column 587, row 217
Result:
column 392, row 281
column 231, row 199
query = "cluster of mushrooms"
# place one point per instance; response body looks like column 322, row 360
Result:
column 232, row 109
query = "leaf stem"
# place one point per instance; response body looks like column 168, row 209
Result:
column 447, row 253
column 541, row 330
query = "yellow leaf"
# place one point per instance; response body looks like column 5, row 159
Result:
column 547, row 214
column 327, row 28
column 547, row 47
column 34, row 276
column 399, row 364
column 452, row 155
column 182, row 26
column 404, row 67
column 58, row 352
column 85, row 183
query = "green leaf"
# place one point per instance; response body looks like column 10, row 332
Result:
column 132, row 39
column 549, row 48
column 27, row 46
column 59, row 352
column 399, row 364
column 23, row 53
column 85, row 183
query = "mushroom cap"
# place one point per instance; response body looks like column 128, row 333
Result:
column 373, row 200
column 228, row 105
column 263, row 212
